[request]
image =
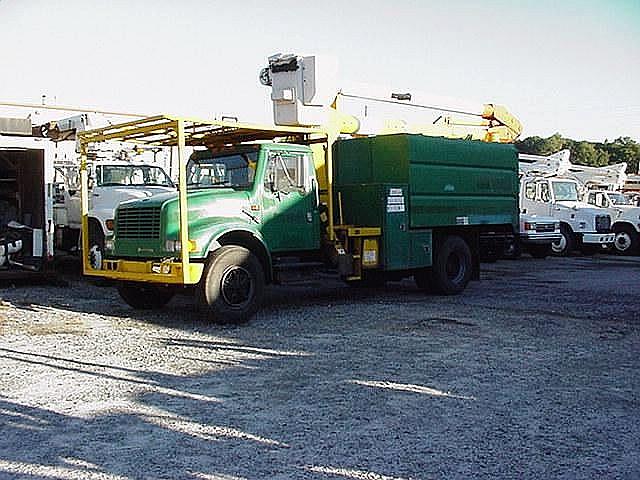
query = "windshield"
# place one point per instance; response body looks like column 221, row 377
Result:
column 565, row 191
column 235, row 170
column 131, row 175
column 619, row 199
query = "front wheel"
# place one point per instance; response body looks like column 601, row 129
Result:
column 627, row 241
column 144, row 296
column 96, row 246
column 566, row 244
column 451, row 271
column 232, row 285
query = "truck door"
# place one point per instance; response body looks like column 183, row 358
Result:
column 290, row 219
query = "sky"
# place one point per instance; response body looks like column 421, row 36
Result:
column 570, row 66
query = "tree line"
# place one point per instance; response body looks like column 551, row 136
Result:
column 622, row 149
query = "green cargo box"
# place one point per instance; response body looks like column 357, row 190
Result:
column 449, row 182
column 385, row 206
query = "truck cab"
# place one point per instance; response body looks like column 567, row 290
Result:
column 582, row 226
column 625, row 216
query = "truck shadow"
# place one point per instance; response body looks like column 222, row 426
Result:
column 253, row 411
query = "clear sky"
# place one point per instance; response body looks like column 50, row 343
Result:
column 568, row 66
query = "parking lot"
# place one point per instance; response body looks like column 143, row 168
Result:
column 533, row 372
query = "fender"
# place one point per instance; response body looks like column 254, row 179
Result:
column 238, row 234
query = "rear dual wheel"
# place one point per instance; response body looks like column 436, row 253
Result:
column 451, row 270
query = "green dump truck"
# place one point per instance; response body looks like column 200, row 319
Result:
column 370, row 209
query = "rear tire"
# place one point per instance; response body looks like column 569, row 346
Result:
column 452, row 266
column 232, row 285
column 144, row 296
column 566, row 244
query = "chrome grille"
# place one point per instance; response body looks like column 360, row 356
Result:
column 603, row 223
column 138, row 223
column 545, row 227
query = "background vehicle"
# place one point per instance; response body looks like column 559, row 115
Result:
column 625, row 215
column 536, row 236
column 26, row 203
column 544, row 190
column 115, row 182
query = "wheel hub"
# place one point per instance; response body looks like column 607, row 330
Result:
column 95, row 257
column 560, row 245
column 623, row 241
column 236, row 286
column 454, row 268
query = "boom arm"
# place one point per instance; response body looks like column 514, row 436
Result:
column 301, row 96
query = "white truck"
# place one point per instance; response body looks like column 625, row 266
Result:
column 113, row 182
column 26, row 202
column 536, row 236
column 602, row 187
column 625, row 216
column 546, row 190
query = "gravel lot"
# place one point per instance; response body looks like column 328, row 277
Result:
column 531, row 373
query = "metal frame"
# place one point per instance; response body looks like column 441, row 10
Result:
column 170, row 131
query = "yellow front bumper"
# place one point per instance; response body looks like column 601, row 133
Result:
column 169, row 272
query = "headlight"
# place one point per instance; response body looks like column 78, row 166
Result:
column 109, row 224
column 529, row 225
column 173, row 246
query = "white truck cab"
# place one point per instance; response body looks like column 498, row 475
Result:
column 113, row 182
column 625, row 216
column 582, row 226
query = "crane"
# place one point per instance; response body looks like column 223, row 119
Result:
column 304, row 93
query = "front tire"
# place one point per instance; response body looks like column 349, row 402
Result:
column 96, row 245
column 627, row 241
column 566, row 244
column 144, row 296
column 232, row 285
column 452, row 265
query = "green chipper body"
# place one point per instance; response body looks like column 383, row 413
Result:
column 413, row 185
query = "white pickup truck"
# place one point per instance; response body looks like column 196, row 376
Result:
column 625, row 216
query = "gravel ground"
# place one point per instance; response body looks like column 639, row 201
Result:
column 531, row 373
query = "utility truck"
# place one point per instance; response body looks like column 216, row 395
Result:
column 602, row 187
column 26, row 201
column 255, row 202
column 546, row 189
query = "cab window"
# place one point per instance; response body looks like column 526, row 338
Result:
column 530, row 191
column 285, row 172
column 544, row 194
